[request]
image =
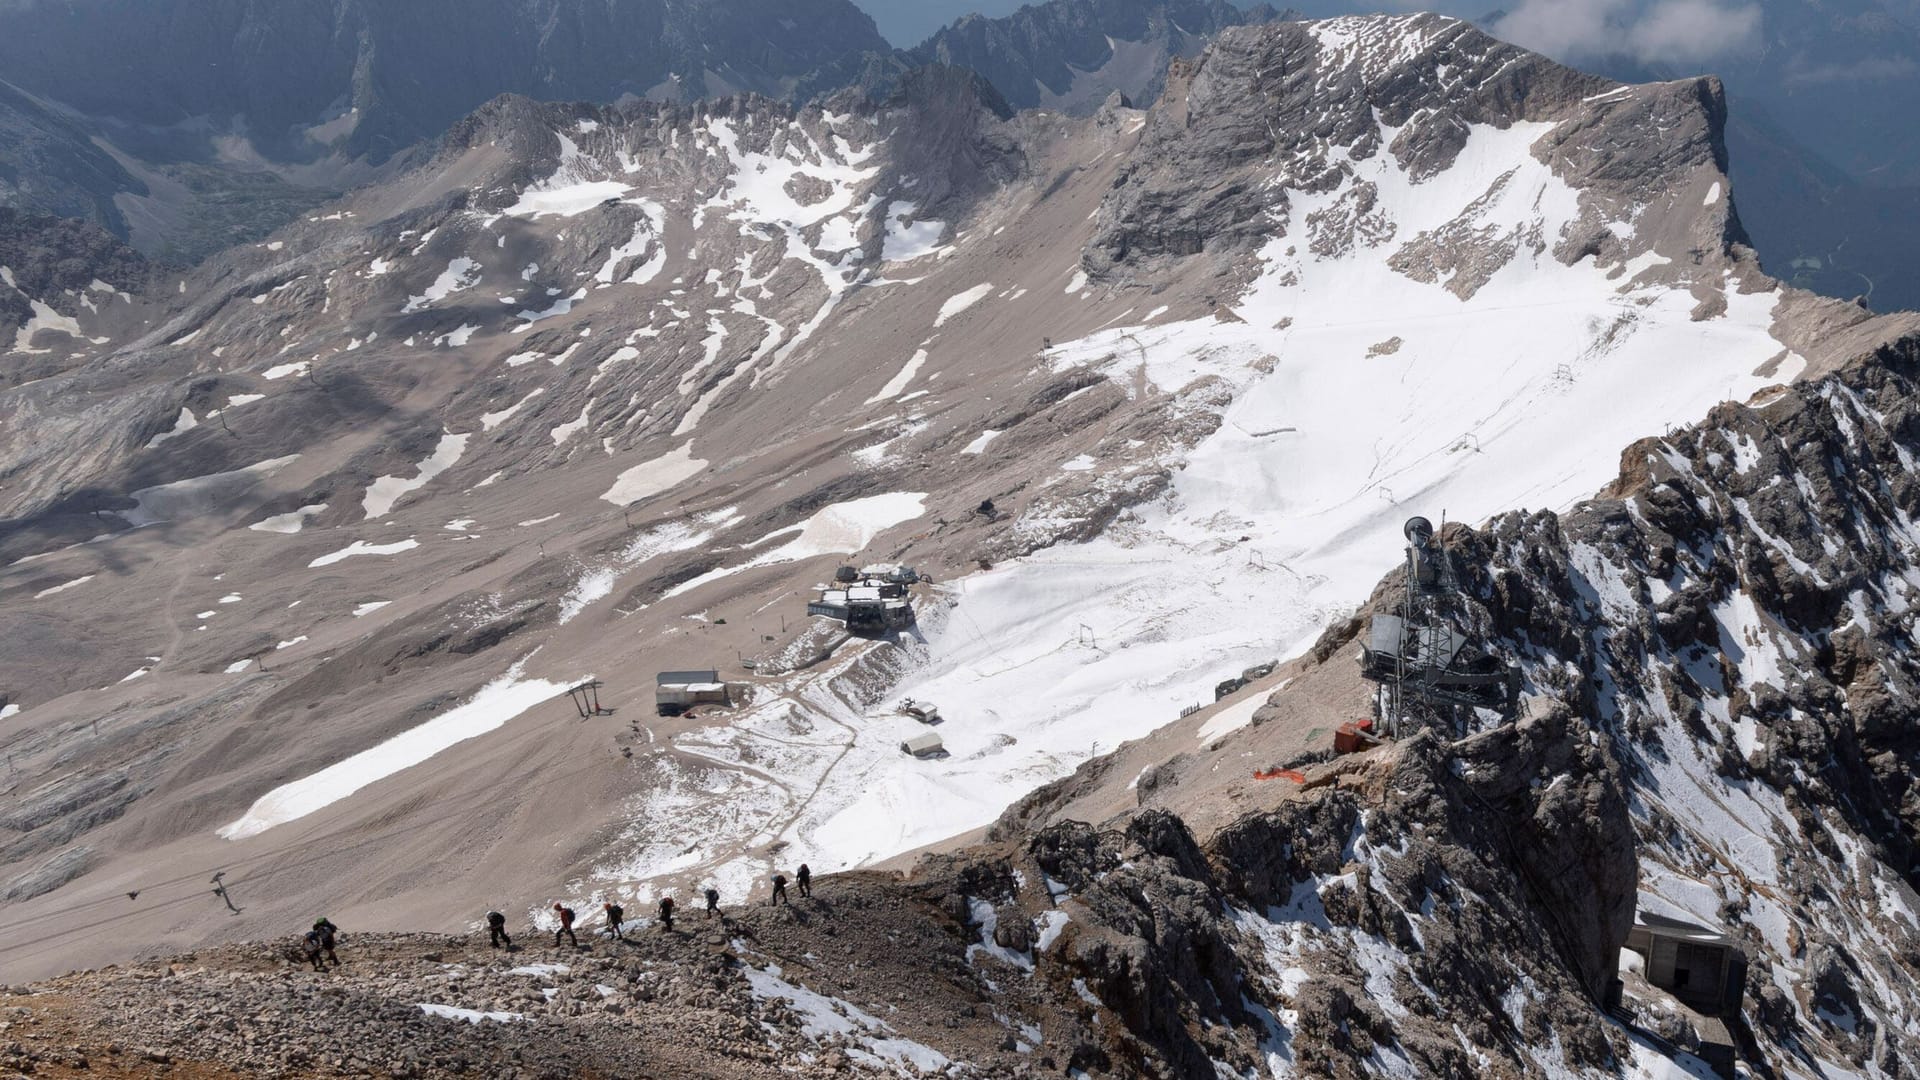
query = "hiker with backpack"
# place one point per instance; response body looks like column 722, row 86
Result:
column 805, row 878
column 497, row 930
column 325, row 931
column 566, row 925
column 614, row 914
column 713, row 901
column 666, row 912
column 310, row 946
column 779, row 890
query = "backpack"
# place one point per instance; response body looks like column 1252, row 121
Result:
column 566, row 916
column 494, row 918
column 713, row 896
column 615, row 912
column 779, row 879
column 666, row 905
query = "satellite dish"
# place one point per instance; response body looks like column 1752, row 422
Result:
column 1418, row 531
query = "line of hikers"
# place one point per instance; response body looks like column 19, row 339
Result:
column 319, row 941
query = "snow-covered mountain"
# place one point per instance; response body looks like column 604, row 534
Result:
column 185, row 126
column 297, row 575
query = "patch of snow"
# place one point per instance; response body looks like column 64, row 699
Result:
column 387, row 490
column 458, row 337
column 461, row 274
column 565, row 200
column 489, row 421
column 471, row 1016
column 905, row 242
column 182, row 424
column 960, row 302
column 361, row 547
column 288, row 523
column 496, row 703
column 655, row 475
column 980, row 442
column 198, row 495
column 369, row 607
column 63, row 587
column 902, row 378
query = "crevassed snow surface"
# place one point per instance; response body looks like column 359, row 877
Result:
column 498, row 702
column 1520, row 396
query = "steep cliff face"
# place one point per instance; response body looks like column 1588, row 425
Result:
column 1071, row 54
column 1740, row 613
column 67, row 288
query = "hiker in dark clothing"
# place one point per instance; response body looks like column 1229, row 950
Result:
column 566, row 926
column 326, row 930
column 805, row 877
column 779, row 889
column 497, row 930
column 666, row 912
column 614, row 914
column 713, row 901
column 310, row 944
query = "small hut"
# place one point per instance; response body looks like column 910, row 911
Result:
column 674, row 692
column 923, row 745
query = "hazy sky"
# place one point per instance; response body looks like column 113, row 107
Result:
column 1668, row 31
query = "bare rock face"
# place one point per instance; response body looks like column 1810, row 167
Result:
column 66, row 280
column 1393, row 916
column 1073, row 53
column 1290, row 100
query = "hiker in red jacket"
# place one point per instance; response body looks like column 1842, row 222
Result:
column 566, row 926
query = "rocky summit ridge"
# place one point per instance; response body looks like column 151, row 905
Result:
column 302, row 558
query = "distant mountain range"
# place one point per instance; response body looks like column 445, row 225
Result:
column 186, row 126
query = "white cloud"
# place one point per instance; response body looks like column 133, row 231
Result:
column 1691, row 31
column 1683, row 32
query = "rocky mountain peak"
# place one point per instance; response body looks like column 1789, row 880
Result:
column 305, row 567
